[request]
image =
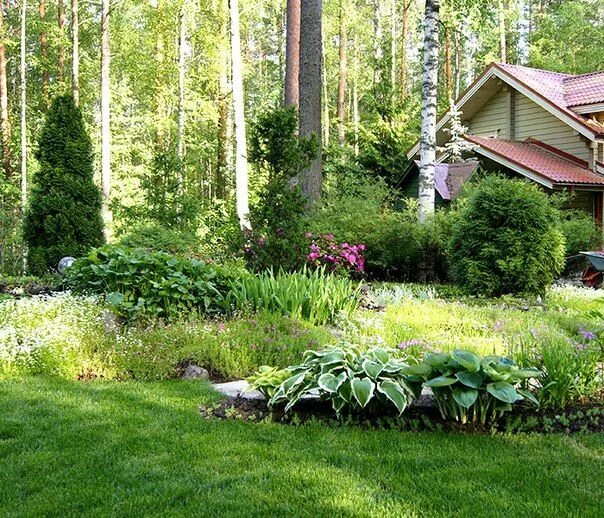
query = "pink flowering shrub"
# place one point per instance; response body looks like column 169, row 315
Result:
column 336, row 257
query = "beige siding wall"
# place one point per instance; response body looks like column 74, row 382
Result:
column 491, row 118
column 534, row 121
column 530, row 120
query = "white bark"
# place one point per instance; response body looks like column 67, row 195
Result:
column 241, row 166
column 22, row 70
column 181, row 83
column 105, row 115
column 355, row 96
column 429, row 98
column 75, row 52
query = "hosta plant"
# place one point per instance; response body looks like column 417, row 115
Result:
column 469, row 388
column 350, row 379
column 267, row 380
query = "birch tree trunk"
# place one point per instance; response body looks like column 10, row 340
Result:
column 5, row 126
column 105, row 115
column 224, row 143
column 22, row 70
column 310, row 91
column 342, row 76
column 502, row 34
column 61, row 22
column 44, row 53
column 181, row 84
column 75, row 51
column 292, row 54
column 355, row 95
column 429, row 98
column 241, row 166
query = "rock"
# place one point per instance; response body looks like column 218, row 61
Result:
column 194, row 372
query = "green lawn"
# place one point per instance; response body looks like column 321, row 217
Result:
column 134, row 449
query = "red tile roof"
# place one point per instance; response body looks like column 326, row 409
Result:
column 562, row 90
column 551, row 164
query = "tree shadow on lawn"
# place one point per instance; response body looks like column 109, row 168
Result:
column 143, row 448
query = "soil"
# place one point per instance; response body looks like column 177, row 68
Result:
column 422, row 415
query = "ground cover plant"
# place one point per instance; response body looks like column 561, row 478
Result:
column 143, row 448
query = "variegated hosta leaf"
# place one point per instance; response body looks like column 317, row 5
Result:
column 290, row 383
column 395, row 393
column 330, row 383
column 380, row 355
column 345, row 390
column 440, row 381
column 362, row 390
column 372, row 369
column 338, row 404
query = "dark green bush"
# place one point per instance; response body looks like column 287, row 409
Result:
column 64, row 213
column 139, row 283
column 580, row 232
column 506, row 239
column 156, row 238
column 361, row 211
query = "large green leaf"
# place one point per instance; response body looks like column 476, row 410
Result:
column 372, row 369
column 290, row 383
column 465, row 396
column 345, row 390
column 381, row 355
column 422, row 369
column 440, row 381
column 438, row 361
column 330, row 383
column 470, row 379
column 395, row 393
column 503, row 391
column 338, row 404
column 526, row 373
column 468, row 360
column 526, row 394
column 362, row 389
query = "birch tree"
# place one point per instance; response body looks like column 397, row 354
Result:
column 22, row 69
column 75, row 51
column 61, row 20
column 502, row 34
column 105, row 114
column 343, row 73
column 429, row 98
column 310, row 91
column 241, row 165
column 182, row 41
column 5, row 126
column 44, row 53
column 292, row 53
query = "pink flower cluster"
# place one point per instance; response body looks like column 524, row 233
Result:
column 324, row 251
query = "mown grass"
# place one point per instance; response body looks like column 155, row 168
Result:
column 142, row 449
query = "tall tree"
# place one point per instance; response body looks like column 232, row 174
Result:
column 44, row 52
column 502, row 34
column 182, row 42
column 404, row 66
column 241, row 165
column 292, row 53
column 429, row 98
column 105, row 113
column 75, row 51
column 343, row 52
column 224, row 125
column 23, row 105
column 61, row 22
column 310, row 91
column 5, row 126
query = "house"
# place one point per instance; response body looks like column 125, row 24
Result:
column 541, row 125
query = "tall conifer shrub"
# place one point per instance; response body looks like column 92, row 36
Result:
column 64, row 213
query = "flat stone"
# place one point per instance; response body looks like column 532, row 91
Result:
column 239, row 388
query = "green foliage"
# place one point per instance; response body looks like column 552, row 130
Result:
column 313, row 295
column 361, row 211
column 138, row 283
column 156, row 238
column 470, row 388
column 267, row 380
column 64, row 213
column 11, row 240
column 349, row 378
column 277, row 218
column 506, row 239
column 580, row 232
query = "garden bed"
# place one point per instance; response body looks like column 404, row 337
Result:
column 422, row 415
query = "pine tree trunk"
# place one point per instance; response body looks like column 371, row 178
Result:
column 404, row 42
column 502, row 34
column 292, row 54
column 429, row 98
column 393, row 49
column 44, row 53
column 182, row 40
column 61, row 22
column 5, row 126
column 75, row 51
column 159, row 63
column 241, row 166
column 310, row 91
column 342, row 76
column 378, row 33
column 105, row 115
column 326, row 119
